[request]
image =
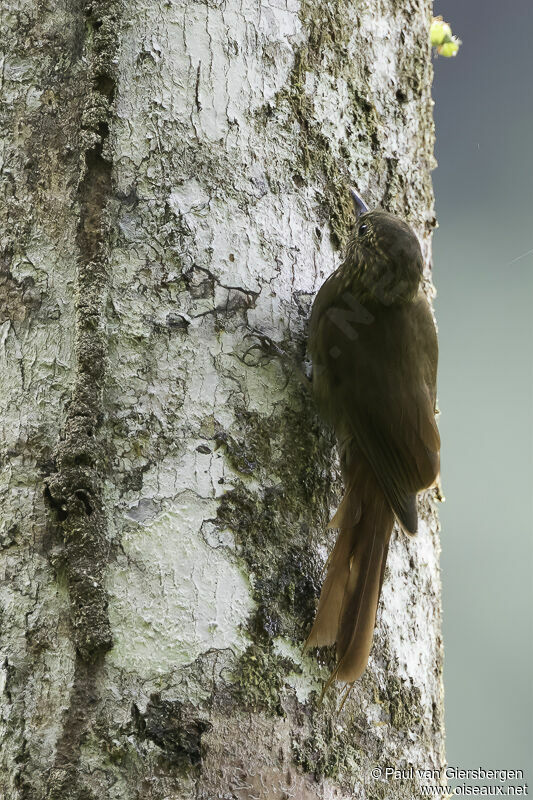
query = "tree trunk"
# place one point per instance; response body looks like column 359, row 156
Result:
column 174, row 185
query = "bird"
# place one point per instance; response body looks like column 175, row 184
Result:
column 373, row 346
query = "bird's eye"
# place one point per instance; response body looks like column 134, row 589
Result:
column 363, row 228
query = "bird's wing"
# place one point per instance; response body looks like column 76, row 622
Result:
column 378, row 389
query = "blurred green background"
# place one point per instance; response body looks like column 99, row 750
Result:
column 484, row 191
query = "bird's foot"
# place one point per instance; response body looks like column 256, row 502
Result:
column 266, row 349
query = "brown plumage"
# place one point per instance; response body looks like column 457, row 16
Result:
column 374, row 350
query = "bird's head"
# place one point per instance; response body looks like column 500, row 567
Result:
column 384, row 254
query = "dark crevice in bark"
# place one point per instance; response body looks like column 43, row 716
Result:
column 174, row 727
column 62, row 784
column 75, row 490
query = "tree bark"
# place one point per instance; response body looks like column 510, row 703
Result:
column 174, row 191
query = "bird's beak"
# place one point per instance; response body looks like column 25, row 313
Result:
column 359, row 204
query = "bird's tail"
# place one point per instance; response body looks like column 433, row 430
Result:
column 349, row 599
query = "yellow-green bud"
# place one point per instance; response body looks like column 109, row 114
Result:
column 449, row 49
column 439, row 32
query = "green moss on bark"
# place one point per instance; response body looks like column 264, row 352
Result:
column 329, row 28
column 402, row 703
column 276, row 527
column 259, row 679
column 329, row 752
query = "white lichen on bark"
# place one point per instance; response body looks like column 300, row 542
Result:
column 188, row 598
column 207, row 149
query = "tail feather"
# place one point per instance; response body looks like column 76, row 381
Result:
column 326, row 625
column 349, row 599
column 362, row 592
column 327, row 620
